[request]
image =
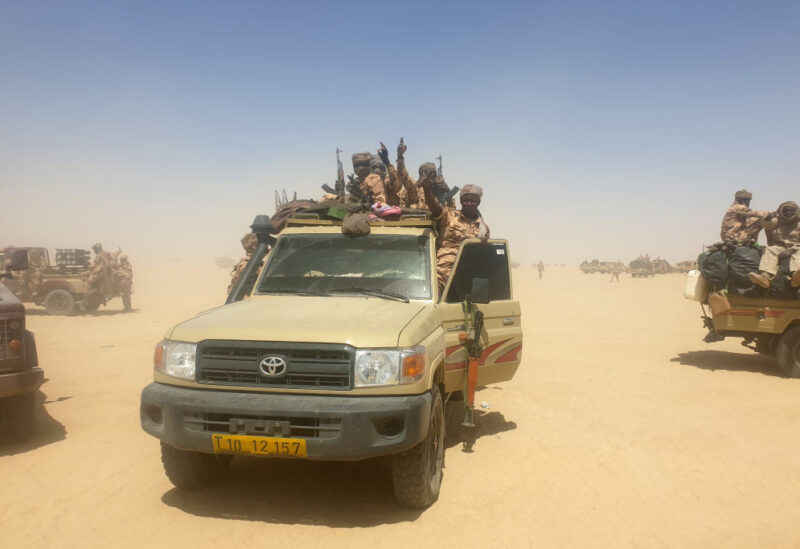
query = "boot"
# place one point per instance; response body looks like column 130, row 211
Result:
column 796, row 279
column 761, row 279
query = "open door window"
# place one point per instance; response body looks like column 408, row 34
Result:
column 485, row 262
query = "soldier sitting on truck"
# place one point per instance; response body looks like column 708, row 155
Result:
column 740, row 223
column 370, row 184
column 454, row 225
column 783, row 239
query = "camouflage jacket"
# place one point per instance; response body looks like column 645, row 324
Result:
column 783, row 232
column 453, row 228
column 741, row 223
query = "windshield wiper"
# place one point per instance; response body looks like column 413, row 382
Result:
column 288, row 291
column 371, row 292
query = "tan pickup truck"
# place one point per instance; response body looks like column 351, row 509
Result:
column 341, row 350
column 770, row 326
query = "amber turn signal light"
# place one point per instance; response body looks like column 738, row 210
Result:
column 15, row 344
column 413, row 365
column 158, row 356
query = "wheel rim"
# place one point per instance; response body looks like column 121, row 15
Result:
column 60, row 302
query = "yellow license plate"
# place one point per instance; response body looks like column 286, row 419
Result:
column 259, row 446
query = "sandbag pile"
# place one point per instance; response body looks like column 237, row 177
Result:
column 727, row 267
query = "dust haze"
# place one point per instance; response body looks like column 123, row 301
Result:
column 620, row 428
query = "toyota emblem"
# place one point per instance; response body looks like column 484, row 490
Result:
column 272, row 366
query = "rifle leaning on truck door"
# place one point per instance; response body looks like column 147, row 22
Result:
column 471, row 340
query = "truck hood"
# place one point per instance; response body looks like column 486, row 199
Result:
column 354, row 320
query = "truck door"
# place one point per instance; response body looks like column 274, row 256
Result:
column 501, row 337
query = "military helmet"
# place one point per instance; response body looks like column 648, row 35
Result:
column 744, row 194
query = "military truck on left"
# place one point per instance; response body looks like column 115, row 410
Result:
column 63, row 288
column 20, row 375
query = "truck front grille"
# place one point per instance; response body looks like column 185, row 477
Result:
column 298, row 427
column 308, row 366
column 11, row 359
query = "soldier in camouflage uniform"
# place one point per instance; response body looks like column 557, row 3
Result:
column 35, row 275
column 783, row 239
column 740, row 223
column 410, row 195
column 249, row 242
column 367, row 181
column 100, row 272
column 123, row 280
column 454, row 225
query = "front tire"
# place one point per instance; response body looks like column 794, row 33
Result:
column 192, row 470
column 59, row 302
column 417, row 472
column 17, row 415
column 788, row 352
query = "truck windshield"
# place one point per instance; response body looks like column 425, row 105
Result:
column 332, row 264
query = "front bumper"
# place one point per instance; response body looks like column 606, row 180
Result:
column 335, row 427
column 17, row 383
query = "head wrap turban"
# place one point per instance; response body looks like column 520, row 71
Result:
column 471, row 189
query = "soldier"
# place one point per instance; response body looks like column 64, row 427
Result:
column 35, row 278
column 615, row 270
column 540, row 268
column 454, row 225
column 249, row 242
column 783, row 239
column 368, row 182
column 123, row 280
column 99, row 276
column 740, row 223
column 411, row 197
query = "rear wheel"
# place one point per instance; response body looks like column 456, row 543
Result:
column 192, row 470
column 788, row 352
column 59, row 302
column 17, row 416
column 417, row 472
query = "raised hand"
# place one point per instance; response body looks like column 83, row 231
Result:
column 401, row 149
column 383, row 154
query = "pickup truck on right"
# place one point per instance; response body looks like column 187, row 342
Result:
column 770, row 325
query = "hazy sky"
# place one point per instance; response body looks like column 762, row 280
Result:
column 597, row 129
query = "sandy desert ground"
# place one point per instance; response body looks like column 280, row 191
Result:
column 622, row 428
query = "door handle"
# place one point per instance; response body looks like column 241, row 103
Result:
column 508, row 322
column 459, row 328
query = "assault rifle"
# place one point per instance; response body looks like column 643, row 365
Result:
column 340, row 185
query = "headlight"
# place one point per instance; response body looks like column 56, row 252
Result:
column 389, row 366
column 175, row 358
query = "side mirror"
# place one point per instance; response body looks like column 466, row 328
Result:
column 480, row 290
column 18, row 260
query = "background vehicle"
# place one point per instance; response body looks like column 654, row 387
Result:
column 641, row 267
column 595, row 266
column 20, row 376
column 64, row 290
column 342, row 350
